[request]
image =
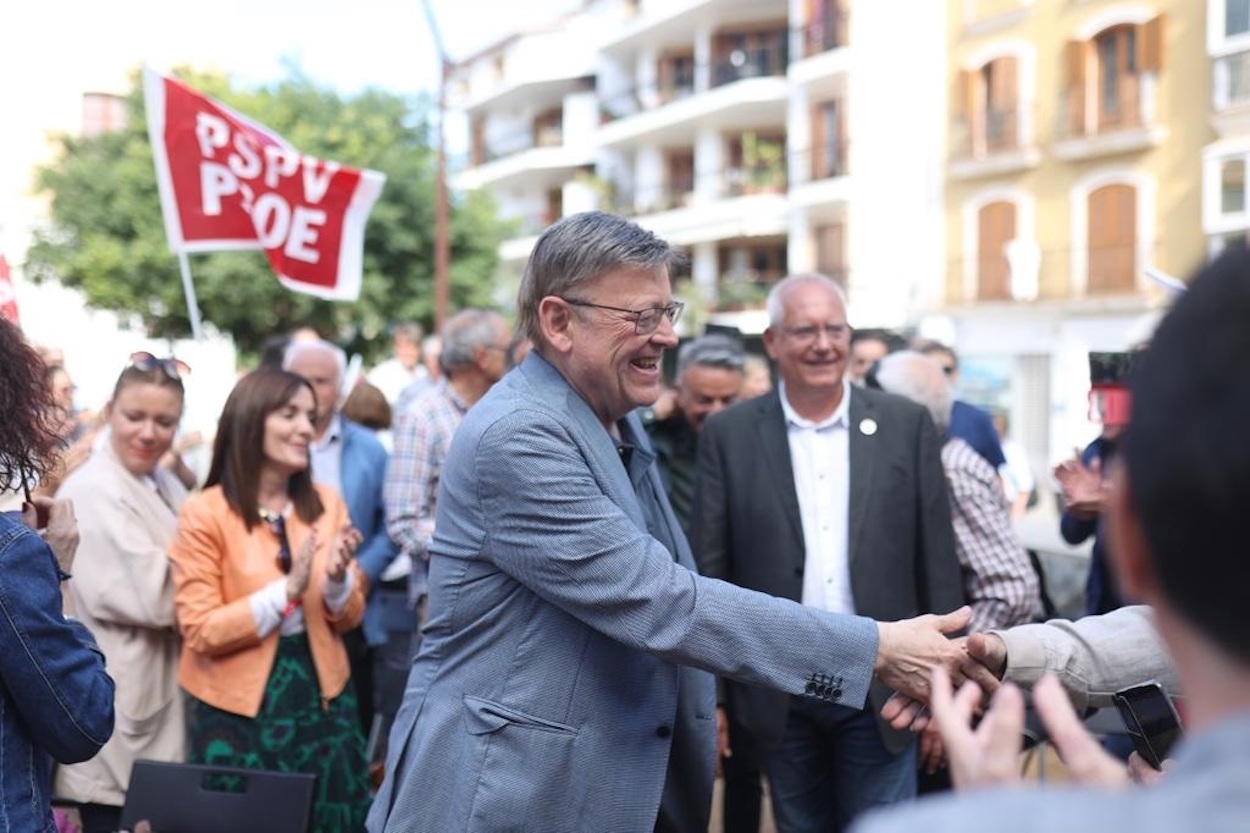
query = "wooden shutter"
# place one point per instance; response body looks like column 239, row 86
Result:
column 1074, row 84
column 996, row 226
column 1150, row 43
column 1112, row 239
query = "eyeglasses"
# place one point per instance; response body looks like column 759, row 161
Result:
column 277, row 525
column 646, row 321
column 811, row 332
column 173, row 368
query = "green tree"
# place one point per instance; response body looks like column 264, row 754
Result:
column 106, row 236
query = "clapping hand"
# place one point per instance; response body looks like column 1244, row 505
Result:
column 343, row 551
column 1084, row 490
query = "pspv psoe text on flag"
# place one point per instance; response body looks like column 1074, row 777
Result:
column 227, row 182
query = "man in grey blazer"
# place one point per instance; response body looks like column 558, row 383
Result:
column 832, row 495
column 563, row 679
column 1177, row 529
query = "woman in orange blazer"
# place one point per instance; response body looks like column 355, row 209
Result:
column 264, row 587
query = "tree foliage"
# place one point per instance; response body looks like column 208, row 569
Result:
column 106, row 236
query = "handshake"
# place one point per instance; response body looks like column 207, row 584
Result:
column 971, row 720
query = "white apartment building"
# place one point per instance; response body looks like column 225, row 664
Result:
column 761, row 136
column 1225, row 204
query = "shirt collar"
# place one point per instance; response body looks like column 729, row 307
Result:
column 839, row 417
column 333, row 434
column 453, row 397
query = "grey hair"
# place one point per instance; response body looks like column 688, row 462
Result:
column 920, row 379
column 411, row 331
column 298, row 348
column 579, row 249
column 465, row 332
column 776, row 303
column 711, row 350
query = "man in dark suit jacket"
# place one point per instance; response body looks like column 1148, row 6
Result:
column 834, row 496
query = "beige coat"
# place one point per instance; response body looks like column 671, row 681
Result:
column 124, row 594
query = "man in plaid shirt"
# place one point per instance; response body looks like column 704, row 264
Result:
column 475, row 350
column 999, row 580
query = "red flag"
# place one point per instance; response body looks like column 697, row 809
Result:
column 8, row 296
column 229, row 183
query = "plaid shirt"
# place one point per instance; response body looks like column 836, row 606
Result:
column 422, row 435
column 999, row 580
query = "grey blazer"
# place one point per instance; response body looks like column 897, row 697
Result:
column 558, row 683
column 747, row 528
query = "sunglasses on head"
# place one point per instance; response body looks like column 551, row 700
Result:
column 277, row 525
column 173, row 368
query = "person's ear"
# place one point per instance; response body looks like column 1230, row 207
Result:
column 1127, row 550
column 555, row 318
column 770, row 342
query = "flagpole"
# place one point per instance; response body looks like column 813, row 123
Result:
column 188, row 289
column 442, row 246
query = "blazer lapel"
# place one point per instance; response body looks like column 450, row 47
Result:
column 774, row 439
column 862, row 459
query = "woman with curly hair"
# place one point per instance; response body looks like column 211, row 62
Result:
column 56, row 699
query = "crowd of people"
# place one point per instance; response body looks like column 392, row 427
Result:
column 522, row 581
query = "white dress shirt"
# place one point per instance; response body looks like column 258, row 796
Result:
column 820, row 457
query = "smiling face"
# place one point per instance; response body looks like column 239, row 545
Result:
column 614, row 368
column 705, row 390
column 811, row 341
column 143, row 419
column 289, row 432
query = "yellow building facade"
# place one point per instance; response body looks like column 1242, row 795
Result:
column 1074, row 169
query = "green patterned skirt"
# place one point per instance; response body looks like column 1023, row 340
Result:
column 292, row 733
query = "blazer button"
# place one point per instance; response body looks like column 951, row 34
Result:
column 663, row 731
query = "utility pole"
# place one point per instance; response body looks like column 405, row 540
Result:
column 442, row 241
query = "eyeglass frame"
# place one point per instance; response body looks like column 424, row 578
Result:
column 173, row 368
column 672, row 311
column 277, row 525
column 810, row 333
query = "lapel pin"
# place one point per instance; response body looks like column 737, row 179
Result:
column 868, row 427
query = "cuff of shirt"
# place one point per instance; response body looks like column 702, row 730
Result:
column 337, row 593
column 267, row 605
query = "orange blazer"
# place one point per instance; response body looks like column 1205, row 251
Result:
column 217, row 564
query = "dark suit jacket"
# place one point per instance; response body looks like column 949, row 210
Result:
column 747, row 528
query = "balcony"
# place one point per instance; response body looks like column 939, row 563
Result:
column 1093, row 121
column 535, row 157
column 770, row 57
column 820, row 175
column 993, row 142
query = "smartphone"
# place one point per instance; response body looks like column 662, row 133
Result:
column 1151, row 720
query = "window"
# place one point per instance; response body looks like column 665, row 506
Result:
column 1236, row 17
column 1112, row 239
column 828, row 152
column 1117, row 77
column 1233, row 186
column 1107, row 72
column 999, row 89
column 831, row 251
column 676, row 76
column 679, row 170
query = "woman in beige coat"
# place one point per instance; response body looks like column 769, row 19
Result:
column 127, row 507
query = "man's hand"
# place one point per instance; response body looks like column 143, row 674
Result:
column 990, row 650
column 931, row 755
column 989, row 754
column 909, row 650
column 1084, row 492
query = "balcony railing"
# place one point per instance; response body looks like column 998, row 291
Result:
column 996, row 130
column 1127, row 106
column 826, row 161
column 824, row 35
column 770, row 58
column 544, row 137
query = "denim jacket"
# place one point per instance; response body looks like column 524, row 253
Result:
column 56, row 699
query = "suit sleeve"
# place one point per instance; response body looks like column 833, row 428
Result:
column 553, row 528
column 377, row 550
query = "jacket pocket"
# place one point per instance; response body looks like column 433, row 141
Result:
column 484, row 716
